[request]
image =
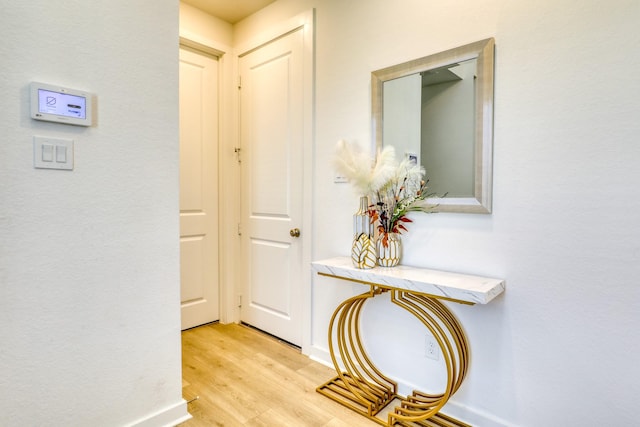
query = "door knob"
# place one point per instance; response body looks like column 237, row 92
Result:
column 294, row 232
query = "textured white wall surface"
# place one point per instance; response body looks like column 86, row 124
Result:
column 89, row 258
column 559, row 347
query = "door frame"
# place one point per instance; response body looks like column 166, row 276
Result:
column 228, row 169
column 304, row 21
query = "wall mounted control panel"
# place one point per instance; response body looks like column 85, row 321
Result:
column 62, row 105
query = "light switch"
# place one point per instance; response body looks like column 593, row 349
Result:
column 61, row 154
column 47, row 152
column 52, row 153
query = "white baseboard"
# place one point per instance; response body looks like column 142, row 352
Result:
column 453, row 408
column 473, row 416
column 168, row 417
column 320, row 355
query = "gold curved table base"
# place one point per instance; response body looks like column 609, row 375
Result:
column 362, row 387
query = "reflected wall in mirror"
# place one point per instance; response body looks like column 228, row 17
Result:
column 439, row 109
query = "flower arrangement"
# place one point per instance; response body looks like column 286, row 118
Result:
column 395, row 188
column 405, row 192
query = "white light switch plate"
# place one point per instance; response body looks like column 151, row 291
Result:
column 52, row 153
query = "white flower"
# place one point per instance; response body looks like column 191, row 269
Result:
column 366, row 174
column 411, row 174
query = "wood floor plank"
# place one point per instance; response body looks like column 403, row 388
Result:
column 243, row 377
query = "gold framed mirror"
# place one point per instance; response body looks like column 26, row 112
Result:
column 439, row 110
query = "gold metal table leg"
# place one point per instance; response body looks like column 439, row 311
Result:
column 362, row 387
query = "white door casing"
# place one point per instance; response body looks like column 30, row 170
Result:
column 272, row 135
column 199, row 288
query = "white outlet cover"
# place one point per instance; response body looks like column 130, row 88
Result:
column 432, row 349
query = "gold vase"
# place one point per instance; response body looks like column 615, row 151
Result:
column 363, row 248
column 389, row 247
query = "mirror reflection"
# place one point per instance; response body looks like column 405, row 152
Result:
column 439, row 110
column 430, row 116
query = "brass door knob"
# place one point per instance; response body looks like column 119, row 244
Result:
column 294, row 232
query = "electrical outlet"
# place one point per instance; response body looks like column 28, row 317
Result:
column 431, row 349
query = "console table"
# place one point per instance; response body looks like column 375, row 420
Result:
column 360, row 385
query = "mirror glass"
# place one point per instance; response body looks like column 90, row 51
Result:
column 439, row 110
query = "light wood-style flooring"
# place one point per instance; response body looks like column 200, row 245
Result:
column 243, row 377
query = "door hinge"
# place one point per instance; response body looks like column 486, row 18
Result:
column 237, row 151
column 240, row 300
column 239, row 82
column 239, row 229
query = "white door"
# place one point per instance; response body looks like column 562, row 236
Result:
column 199, row 285
column 271, row 133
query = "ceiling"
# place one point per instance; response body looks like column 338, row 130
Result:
column 231, row 11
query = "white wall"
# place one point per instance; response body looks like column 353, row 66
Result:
column 203, row 28
column 89, row 258
column 558, row 348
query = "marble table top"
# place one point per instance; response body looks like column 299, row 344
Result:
column 435, row 283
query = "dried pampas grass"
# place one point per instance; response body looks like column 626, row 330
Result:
column 366, row 174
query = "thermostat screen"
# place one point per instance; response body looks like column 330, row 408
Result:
column 62, row 104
